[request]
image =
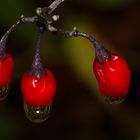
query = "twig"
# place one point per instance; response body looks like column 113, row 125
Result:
column 45, row 12
column 54, row 5
column 45, row 24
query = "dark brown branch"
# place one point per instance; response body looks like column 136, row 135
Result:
column 45, row 24
column 46, row 12
column 54, row 5
column 43, row 12
column 32, row 19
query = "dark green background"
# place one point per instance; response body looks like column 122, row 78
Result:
column 79, row 113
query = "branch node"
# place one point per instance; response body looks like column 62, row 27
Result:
column 39, row 11
column 51, row 28
column 55, row 17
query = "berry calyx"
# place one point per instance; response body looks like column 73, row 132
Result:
column 113, row 77
column 38, row 92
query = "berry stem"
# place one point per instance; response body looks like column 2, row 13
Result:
column 37, row 68
column 101, row 52
column 6, row 35
column 4, row 39
column 9, row 31
column 76, row 33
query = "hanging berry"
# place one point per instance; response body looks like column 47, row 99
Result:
column 113, row 75
column 112, row 71
column 6, row 66
column 38, row 88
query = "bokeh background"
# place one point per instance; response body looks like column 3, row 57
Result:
column 79, row 112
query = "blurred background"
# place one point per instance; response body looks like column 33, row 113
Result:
column 79, row 112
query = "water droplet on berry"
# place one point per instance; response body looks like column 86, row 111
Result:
column 37, row 114
column 114, row 100
column 4, row 92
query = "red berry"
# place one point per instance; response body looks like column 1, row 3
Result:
column 6, row 69
column 113, row 76
column 38, row 92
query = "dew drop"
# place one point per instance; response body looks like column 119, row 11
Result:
column 4, row 92
column 114, row 100
column 37, row 114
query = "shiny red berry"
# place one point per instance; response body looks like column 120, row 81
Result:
column 113, row 76
column 6, row 69
column 38, row 92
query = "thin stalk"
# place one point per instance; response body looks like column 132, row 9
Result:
column 37, row 68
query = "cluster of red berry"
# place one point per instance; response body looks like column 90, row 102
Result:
column 38, row 85
column 113, row 76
